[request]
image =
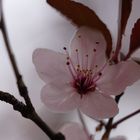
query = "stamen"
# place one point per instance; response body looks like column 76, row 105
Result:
column 99, row 71
column 78, row 66
column 86, row 82
column 93, row 65
column 94, row 50
column 70, row 69
column 100, row 74
column 77, row 55
column 97, row 42
column 98, row 77
column 86, row 62
column 64, row 48
column 93, row 86
column 90, row 71
column 70, row 61
column 84, row 75
column 79, row 36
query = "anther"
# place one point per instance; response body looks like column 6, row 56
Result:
column 79, row 36
column 77, row 69
column 76, row 50
column 94, row 50
column 100, row 74
column 68, row 63
column 65, row 48
column 113, row 52
column 97, row 42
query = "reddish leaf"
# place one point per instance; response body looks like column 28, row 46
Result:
column 135, row 39
column 125, row 10
column 125, row 13
column 137, row 60
column 82, row 16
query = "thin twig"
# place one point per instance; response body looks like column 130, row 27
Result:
column 8, row 98
column 125, row 118
column 29, row 114
column 20, row 83
column 83, row 121
column 89, row 136
column 27, row 110
column 100, row 126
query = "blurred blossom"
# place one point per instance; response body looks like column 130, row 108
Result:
column 73, row 131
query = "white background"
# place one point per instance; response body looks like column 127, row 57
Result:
column 32, row 24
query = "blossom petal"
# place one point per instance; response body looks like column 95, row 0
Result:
column 116, row 78
column 60, row 97
column 98, row 106
column 88, row 42
column 50, row 64
column 73, row 131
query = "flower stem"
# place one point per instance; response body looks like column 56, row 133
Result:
column 89, row 136
column 83, row 122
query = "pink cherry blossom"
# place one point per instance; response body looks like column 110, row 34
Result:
column 83, row 77
column 74, row 131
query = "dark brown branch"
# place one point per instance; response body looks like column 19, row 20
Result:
column 37, row 120
column 117, row 98
column 27, row 110
column 29, row 114
column 20, row 83
column 8, row 47
column 8, row 98
column 125, row 118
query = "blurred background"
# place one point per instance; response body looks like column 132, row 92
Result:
column 33, row 24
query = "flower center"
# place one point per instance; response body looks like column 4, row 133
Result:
column 84, row 82
column 84, row 78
